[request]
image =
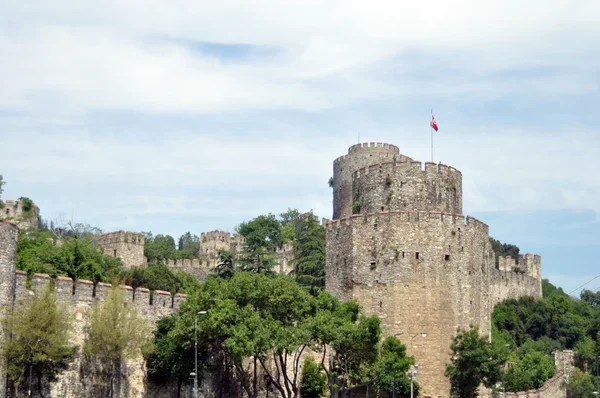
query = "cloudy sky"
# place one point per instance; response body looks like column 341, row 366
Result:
column 192, row 116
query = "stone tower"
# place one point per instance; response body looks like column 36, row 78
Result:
column 128, row 246
column 8, row 261
column 401, row 247
column 14, row 211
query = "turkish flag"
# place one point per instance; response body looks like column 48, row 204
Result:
column 433, row 123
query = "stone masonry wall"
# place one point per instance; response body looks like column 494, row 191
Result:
column 425, row 273
column 421, row 273
column 404, row 185
column 128, row 246
column 359, row 156
column 8, row 256
column 80, row 296
column 200, row 269
column 14, row 212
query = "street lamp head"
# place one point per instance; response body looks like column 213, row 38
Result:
column 398, row 334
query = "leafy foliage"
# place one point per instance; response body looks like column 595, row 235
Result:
column 262, row 324
column 474, row 362
column 504, row 249
column 314, row 381
column 159, row 247
column 116, row 332
column 530, row 372
column 171, row 357
column 262, row 237
column 556, row 317
column 391, row 368
column 39, row 328
column 580, row 385
column 75, row 257
column 27, row 204
column 548, row 289
column 157, row 276
column 188, row 246
column 309, row 254
column 225, row 268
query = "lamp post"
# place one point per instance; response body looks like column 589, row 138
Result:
column 412, row 373
column 503, row 376
column 196, row 352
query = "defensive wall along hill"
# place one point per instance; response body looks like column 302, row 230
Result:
column 80, row 295
column 408, row 255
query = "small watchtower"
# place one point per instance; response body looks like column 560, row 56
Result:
column 128, row 246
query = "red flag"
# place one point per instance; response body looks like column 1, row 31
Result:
column 433, row 123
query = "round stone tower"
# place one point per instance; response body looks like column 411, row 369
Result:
column 399, row 245
column 403, row 185
column 8, row 264
column 359, row 156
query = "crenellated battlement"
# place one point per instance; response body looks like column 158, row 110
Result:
column 135, row 238
column 14, row 210
column 82, row 290
column 126, row 245
column 216, row 235
column 414, row 165
column 393, row 217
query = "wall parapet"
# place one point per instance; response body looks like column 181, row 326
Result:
column 86, row 291
column 121, row 237
column 405, row 163
column 408, row 216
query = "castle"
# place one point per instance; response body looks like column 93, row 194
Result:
column 129, row 247
column 400, row 245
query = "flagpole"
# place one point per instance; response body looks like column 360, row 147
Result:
column 431, row 130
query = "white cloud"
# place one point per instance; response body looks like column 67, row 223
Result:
column 70, row 56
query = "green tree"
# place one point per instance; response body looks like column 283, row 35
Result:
column 159, row 247
column 116, row 332
column 225, row 268
column 530, row 372
column 314, row 381
column 392, row 366
column 504, row 249
column 593, row 299
column 548, row 289
column 262, row 237
column 78, row 258
column 27, row 205
column 188, row 246
column 474, row 362
column 288, row 225
column 309, row 254
column 580, row 385
column 39, row 328
column 170, row 357
column 586, row 353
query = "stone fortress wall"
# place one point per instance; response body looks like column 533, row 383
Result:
column 128, row 246
column 13, row 211
column 404, row 185
column 80, row 295
column 426, row 271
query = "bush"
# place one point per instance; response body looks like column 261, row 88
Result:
column 314, row 381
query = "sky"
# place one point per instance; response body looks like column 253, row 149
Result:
column 194, row 116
